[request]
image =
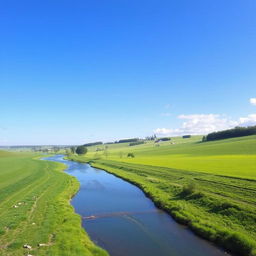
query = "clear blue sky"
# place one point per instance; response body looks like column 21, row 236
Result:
column 79, row 71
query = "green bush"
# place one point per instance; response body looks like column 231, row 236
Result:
column 188, row 189
column 81, row 150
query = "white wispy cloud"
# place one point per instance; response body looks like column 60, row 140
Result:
column 253, row 101
column 247, row 121
column 205, row 123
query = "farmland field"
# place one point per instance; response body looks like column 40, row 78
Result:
column 35, row 209
column 234, row 157
column 210, row 186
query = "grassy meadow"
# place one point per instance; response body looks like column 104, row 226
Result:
column 209, row 186
column 233, row 157
column 35, row 209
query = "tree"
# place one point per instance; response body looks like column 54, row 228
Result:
column 188, row 189
column 81, row 150
column 73, row 150
column 130, row 155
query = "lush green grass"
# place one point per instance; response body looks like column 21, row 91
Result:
column 234, row 157
column 41, row 192
column 211, row 186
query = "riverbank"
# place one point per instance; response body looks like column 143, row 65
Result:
column 219, row 209
column 121, row 219
column 35, row 209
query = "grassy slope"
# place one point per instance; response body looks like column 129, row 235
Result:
column 42, row 191
column 221, row 207
column 234, row 157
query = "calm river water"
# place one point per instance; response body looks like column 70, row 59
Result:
column 121, row 219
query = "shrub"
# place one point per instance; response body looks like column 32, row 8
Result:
column 188, row 189
column 130, row 155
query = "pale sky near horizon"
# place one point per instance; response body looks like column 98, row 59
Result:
column 78, row 71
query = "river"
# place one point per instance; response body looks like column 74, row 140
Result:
column 121, row 219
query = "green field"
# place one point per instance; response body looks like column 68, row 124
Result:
column 210, row 186
column 234, row 157
column 35, row 209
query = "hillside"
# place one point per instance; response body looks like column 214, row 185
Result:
column 35, row 209
column 235, row 157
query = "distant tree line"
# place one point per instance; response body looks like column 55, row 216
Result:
column 118, row 141
column 128, row 140
column 44, row 149
column 231, row 133
column 136, row 143
column 162, row 139
column 131, row 140
column 93, row 144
